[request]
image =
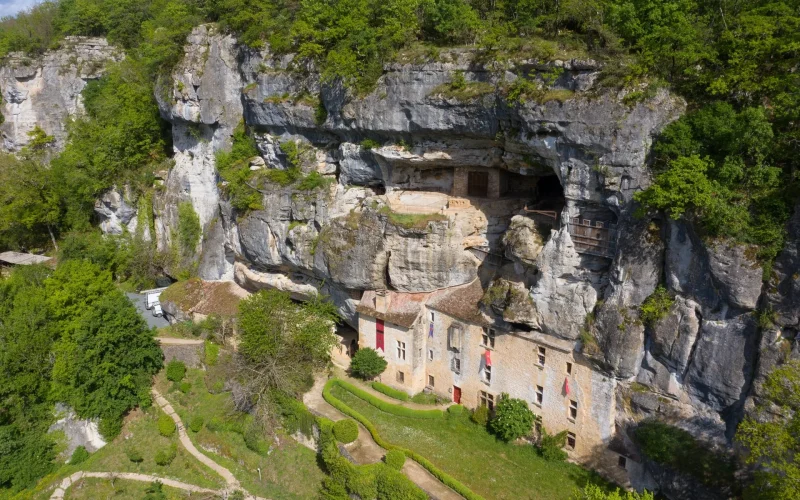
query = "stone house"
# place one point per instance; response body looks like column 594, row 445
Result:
column 440, row 342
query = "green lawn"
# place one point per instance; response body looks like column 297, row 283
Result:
column 94, row 489
column 288, row 470
column 489, row 467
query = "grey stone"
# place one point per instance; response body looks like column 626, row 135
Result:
column 736, row 273
column 673, row 337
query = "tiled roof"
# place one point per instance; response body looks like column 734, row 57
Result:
column 402, row 309
column 462, row 302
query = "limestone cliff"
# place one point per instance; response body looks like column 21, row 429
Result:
column 457, row 182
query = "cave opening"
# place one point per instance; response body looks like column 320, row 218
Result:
column 549, row 194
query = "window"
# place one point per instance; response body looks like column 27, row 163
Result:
column 571, row 440
column 487, row 374
column 430, row 381
column 401, row 350
column 486, row 399
column 573, row 410
column 539, row 395
column 454, row 334
column 488, row 338
column 455, row 365
column 430, row 354
column 622, row 462
column 569, row 368
column 433, row 317
column 401, row 377
column 542, row 353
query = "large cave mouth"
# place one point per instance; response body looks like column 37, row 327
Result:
column 549, row 194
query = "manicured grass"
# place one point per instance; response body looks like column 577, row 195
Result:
column 95, row 488
column 466, row 451
column 411, row 221
column 288, row 470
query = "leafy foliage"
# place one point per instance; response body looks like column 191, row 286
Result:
column 176, row 370
column 79, row 456
column 165, row 456
column 166, row 426
column 480, row 415
column 345, row 431
column 512, row 418
column 395, row 459
column 367, row 363
column 656, row 306
column 551, row 446
column 390, row 391
column 595, row 492
column 676, row 448
column 772, row 442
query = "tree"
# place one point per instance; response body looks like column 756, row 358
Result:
column 772, row 436
column 367, row 363
column 512, row 418
column 281, row 344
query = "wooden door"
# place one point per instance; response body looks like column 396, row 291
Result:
column 478, row 184
column 379, row 335
column 457, row 395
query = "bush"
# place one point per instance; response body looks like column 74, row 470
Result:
column 345, row 431
column 389, row 391
column 395, row 459
column 185, row 387
column 550, row 446
column 196, row 423
column 134, row 455
column 656, row 306
column 512, row 419
column 166, row 426
column 166, row 456
column 382, row 405
column 480, row 415
column 253, row 440
column 367, row 364
column 79, row 456
column 176, row 370
column 110, row 427
column 455, row 410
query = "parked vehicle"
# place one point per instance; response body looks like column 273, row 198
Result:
column 152, row 299
column 157, row 312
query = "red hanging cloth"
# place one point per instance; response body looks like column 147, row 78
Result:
column 488, row 357
column 566, row 386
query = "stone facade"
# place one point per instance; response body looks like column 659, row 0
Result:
column 444, row 349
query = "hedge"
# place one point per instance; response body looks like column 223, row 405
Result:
column 442, row 476
column 389, row 391
column 345, row 431
column 382, row 405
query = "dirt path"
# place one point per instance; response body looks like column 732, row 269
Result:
column 65, row 483
column 366, row 451
column 231, row 481
column 174, row 341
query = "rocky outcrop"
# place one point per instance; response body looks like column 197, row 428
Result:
column 116, row 212
column 45, row 92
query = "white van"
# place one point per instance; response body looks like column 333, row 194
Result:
column 152, row 299
column 157, row 312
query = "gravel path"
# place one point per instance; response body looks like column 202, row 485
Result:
column 65, row 483
column 174, row 341
column 231, row 481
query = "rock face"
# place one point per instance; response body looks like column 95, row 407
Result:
column 45, row 92
column 438, row 197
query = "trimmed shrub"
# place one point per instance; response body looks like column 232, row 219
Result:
column 389, row 391
column 393, row 485
column 166, row 426
column 395, row 459
column 480, row 415
column 185, row 387
column 512, row 419
column 345, row 431
column 196, row 423
column 79, row 456
column 176, row 370
column 455, row 410
column 550, row 446
column 367, row 364
column 165, row 456
column 382, row 405
column 134, row 455
column 110, row 427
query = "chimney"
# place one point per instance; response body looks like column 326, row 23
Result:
column 380, row 301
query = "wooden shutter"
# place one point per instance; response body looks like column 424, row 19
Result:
column 379, row 335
